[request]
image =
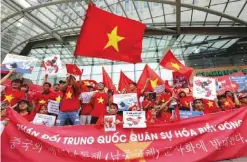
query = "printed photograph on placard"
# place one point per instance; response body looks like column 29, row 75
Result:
column 134, row 119
column 125, row 101
column 239, row 83
column 52, row 64
column 21, row 64
column 110, row 123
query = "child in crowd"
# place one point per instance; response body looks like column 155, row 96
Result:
column 113, row 109
column 43, row 109
column 198, row 105
column 24, row 109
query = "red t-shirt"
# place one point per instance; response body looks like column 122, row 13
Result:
column 165, row 117
column 29, row 116
column 86, row 109
column 12, row 97
column 164, row 97
column 58, row 96
column 42, row 98
column 146, row 102
column 70, row 101
column 151, row 117
column 99, row 104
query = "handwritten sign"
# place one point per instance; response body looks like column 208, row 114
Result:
column 53, row 107
column 159, row 89
column 110, row 123
column 134, row 119
column 21, row 64
column 86, row 96
column 204, row 88
column 43, row 119
column 125, row 101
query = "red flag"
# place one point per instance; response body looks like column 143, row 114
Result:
column 155, row 80
column 170, row 62
column 186, row 101
column 124, row 82
column 73, row 69
column 107, row 81
column 210, row 106
column 108, row 36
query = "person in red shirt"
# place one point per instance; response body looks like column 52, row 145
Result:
column 44, row 97
column 86, row 110
column 70, row 102
column 12, row 95
column 28, row 96
column 99, row 102
column 24, row 109
column 113, row 109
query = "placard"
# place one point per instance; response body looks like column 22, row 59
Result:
column 43, row 119
column 110, row 123
column 159, row 88
column 187, row 114
column 134, row 119
column 223, row 84
column 21, row 64
column 53, row 107
column 86, row 96
column 52, row 65
column 204, row 88
column 239, row 83
column 125, row 101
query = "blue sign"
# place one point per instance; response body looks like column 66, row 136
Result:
column 241, row 82
column 187, row 114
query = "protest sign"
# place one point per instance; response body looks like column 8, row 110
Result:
column 204, row 88
column 212, row 137
column 53, row 107
column 239, row 83
column 52, row 64
column 21, row 64
column 159, row 88
column 134, row 119
column 86, row 96
column 223, row 84
column 187, row 114
column 110, row 123
column 2, row 87
column 125, row 101
column 43, row 119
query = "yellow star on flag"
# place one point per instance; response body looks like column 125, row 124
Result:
column 134, row 150
column 100, row 100
column 175, row 65
column 42, row 102
column 8, row 98
column 86, row 83
column 226, row 103
column 68, row 95
column 113, row 39
column 210, row 103
column 74, row 70
column 58, row 99
column 154, row 82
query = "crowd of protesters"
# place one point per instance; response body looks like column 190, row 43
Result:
column 73, row 111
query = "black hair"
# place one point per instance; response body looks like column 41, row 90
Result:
column 17, row 81
column 55, row 84
column 29, row 108
column 26, row 86
column 47, row 83
column 133, row 83
column 197, row 100
column 62, row 82
column 114, row 104
column 227, row 91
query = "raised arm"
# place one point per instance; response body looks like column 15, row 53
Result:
column 2, row 81
column 145, row 86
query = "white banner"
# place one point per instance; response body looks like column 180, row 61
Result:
column 43, row 119
column 53, row 107
column 110, row 123
column 125, row 101
column 52, row 65
column 134, row 119
column 86, row 96
column 21, row 64
column 204, row 87
column 159, row 89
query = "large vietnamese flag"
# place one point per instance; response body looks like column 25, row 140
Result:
column 124, row 82
column 108, row 82
column 170, row 62
column 155, row 79
column 108, row 36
